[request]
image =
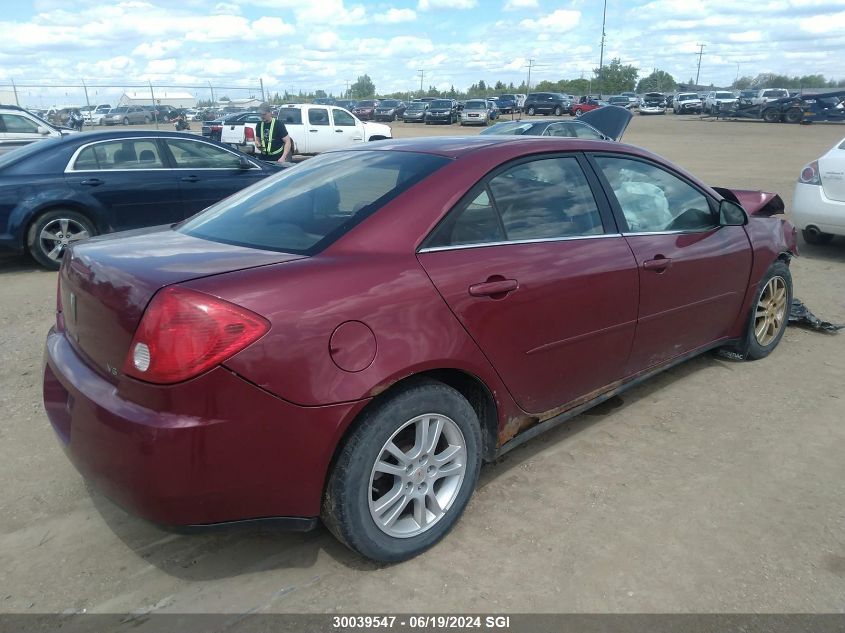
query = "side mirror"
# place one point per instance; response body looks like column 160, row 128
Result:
column 244, row 163
column 731, row 214
column 43, row 130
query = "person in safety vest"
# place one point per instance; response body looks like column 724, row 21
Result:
column 272, row 138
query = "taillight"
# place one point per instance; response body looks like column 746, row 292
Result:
column 249, row 134
column 810, row 174
column 184, row 333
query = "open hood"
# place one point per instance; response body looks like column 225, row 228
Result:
column 610, row 120
column 759, row 203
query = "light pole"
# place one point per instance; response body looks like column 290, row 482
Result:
column 601, row 54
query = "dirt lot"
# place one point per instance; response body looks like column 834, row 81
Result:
column 718, row 486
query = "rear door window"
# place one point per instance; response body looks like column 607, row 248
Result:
column 542, row 199
column 290, row 116
column 119, row 155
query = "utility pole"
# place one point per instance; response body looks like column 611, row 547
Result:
column 601, row 54
column 700, row 53
column 261, row 81
column 530, row 65
column 346, row 94
column 422, row 75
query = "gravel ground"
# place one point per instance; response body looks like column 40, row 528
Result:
column 717, row 486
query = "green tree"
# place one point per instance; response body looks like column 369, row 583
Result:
column 320, row 94
column 615, row 78
column 362, row 88
column 482, row 86
column 658, row 81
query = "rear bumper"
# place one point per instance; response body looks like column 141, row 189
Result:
column 211, row 450
column 811, row 207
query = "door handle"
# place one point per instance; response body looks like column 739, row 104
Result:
column 339, row 131
column 658, row 264
column 490, row 288
column 191, row 178
column 313, row 130
column 92, row 182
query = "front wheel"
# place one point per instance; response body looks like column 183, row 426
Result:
column 405, row 474
column 52, row 232
column 530, row 110
column 578, row 112
column 769, row 312
column 558, row 111
column 126, row 120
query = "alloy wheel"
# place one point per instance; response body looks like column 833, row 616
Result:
column 58, row 234
column 770, row 316
column 417, row 475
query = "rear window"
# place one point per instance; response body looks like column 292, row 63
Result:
column 290, row 116
column 725, row 95
column 302, row 211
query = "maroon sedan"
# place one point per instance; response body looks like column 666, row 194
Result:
column 351, row 339
column 365, row 110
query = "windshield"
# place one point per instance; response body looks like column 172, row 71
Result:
column 366, row 104
column 688, row 97
column 441, row 104
column 388, row 104
column 475, row 105
column 417, row 106
column 301, row 211
column 725, row 95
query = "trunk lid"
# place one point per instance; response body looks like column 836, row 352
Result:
column 832, row 173
column 106, row 284
column 610, row 120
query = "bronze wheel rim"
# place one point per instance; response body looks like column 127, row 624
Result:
column 770, row 316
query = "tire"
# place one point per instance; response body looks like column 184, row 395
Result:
column 771, row 115
column 816, row 238
column 530, row 111
column 558, row 111
column 793, row 115
column 769, row 313
column 65, row 227
column 578, row 112
column 394, row 532
column 126, row 120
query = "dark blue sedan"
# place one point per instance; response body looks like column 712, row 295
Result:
column 55, row 192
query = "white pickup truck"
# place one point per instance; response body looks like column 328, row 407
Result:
column 312, row 128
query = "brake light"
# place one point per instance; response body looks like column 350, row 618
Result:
column 249, row 134
column 810, row 174
column 184, row 333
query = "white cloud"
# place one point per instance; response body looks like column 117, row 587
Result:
column 395, row 16
column 271, row 27
column 324, row 41
column 519, row 5
column 427, row 5
column 560, row 21
column 824, row 23
column 746, row 36
column 160, row 67
column 156, row 50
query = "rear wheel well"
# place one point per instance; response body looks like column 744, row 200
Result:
column 377, row 137
column 469, row 386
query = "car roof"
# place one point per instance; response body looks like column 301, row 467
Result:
column 106, row 135
column 457, row 146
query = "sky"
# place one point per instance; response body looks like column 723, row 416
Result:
column 323, row 44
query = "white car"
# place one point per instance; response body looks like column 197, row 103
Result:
column 769, row 94
column 818, row 205
column 18, row 127
column 94, row 114
column 721, row 97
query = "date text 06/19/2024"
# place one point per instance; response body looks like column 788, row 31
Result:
column 421, row 621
